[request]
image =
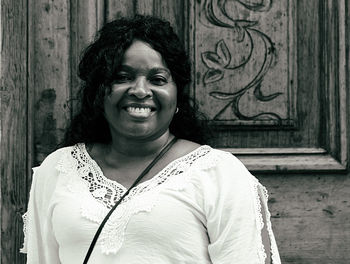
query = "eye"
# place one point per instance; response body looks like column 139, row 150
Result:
column 123, row 77
column 158, row 80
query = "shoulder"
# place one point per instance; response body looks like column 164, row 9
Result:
column 221, row 168
column 199, row 154
column 46, row 174
column 55, row 157
column 219, row 159
column 226, row 159
column 45, row 177
column 224, row 178
column 180, row 150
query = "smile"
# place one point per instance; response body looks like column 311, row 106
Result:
column 131, row 109
column 139, row 112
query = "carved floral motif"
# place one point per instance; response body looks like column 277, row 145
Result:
column 220, row 63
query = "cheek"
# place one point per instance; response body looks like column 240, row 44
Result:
column 174, row 98
column 109, row 107
column 169, row 98
column 107, row 102
column 113, row 95
column 113, row 98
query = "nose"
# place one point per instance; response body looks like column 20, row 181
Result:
column 140, row 88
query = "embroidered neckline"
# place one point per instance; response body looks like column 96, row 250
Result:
column 109, row 191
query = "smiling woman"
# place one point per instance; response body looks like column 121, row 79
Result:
column 142, row 100
column 93, row 200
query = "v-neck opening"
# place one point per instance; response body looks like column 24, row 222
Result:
column 144, row 183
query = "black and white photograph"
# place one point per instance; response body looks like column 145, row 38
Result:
column 175, row 131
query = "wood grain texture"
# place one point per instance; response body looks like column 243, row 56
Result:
column 310, row 217
column 144, row 7
column 50, row 67
column 174, row 12
column 87, row 17
column 2, row 99
column 272, row 163
column 306, row 133
column 13, row 128
column 333, row 77
column 243, row 58
column 120, row 8
column 344, row 80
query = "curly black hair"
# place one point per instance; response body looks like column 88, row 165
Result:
column 98, row 67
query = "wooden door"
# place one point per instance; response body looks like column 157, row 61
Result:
column 271, row 76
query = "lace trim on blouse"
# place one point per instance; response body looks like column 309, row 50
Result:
column 97, row 194
column 260, row 222
column 25, row 221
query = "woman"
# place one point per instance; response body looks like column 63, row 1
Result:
column 195, row 205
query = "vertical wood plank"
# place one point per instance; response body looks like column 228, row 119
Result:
column 343, row 73
column 329, row 57
column 333, row 39
column 50, row 71
column 87, row 17
column 174, row 12
column 346, row 73
column 144, row 7
column 2, row 94
column 13, row 127
column 117, row 9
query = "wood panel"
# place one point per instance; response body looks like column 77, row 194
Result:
column 244, row 66
column 174, row 12
column 50, row 68
column 13, row 127
column 333, row 76
column 86, row 18
column 319, row 38
column 310, row 217
column 306, row 132
column 144, row 7
column 116, row 9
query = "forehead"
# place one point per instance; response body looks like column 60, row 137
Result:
column 141, row 55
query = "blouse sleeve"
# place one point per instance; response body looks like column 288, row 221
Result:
column 39, row 242
column 237, row 215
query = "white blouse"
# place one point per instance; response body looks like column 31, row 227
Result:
column 204, row 207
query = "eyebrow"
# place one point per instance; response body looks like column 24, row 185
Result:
column 152, row 70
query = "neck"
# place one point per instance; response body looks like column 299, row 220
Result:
column 138, row 148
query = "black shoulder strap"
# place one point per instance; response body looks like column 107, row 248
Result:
column 145, row 171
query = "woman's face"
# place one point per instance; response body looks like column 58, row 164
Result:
column 142, row 101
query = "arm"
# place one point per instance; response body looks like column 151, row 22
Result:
column 238, row 221
column 264, row 232
column 39, row 242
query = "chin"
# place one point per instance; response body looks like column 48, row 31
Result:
column 140, row 134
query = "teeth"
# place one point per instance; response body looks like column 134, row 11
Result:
column 138, row 109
